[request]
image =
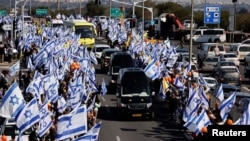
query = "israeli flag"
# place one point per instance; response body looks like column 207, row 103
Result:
column 245, row 119
column 12, row 102
column 220, row 93
column 15, row 68
column 198, row 122
column 72, row 124
column 226, row 106
column 193, row 104
column 28, row 116
column 92, row 134
column 104, row 89
column 151, row 70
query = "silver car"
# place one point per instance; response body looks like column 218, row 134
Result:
column 209, row 63
column 231, row 57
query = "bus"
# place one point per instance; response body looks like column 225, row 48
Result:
column 85, row 29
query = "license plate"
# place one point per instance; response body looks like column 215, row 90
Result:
column 136, row 115
column 231, row 83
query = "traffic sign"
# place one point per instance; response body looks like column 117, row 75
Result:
column 7, row 27
column 116, row 12
column 212, row 14
column 41, row 12
column 3, row 12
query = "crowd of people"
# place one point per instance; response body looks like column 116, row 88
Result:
column 170, row 81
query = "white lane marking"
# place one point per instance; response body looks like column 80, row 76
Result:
column 118, row 138
column 246, row 88
column 103, row 99
column 107, row 108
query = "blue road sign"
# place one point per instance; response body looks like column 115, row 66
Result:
column 212, row 14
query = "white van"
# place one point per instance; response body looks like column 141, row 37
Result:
column 56, row 23
column 241, row 51
column 208, row 35
column 102, row 19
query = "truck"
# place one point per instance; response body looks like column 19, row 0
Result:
column 167, row 25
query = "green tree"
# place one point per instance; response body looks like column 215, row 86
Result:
column 94, row 10
column 175, row 8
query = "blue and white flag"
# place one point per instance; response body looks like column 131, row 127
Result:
column 91, row 106
column 220, row 93
column 92, row 134
column 44, row 125
column 226, row 106
column 15, row 68
column 46, row 121
column 104, row 89
column 193, row 104
column 245, row 119
column 28, row 116
column 12, row 102
column 72, row 124
column 196, row 123
column 30, row 65
column 152, row 70
column 204, row 99
column 61, row 104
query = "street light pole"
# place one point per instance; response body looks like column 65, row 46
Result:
column 191, row 33
column 134, row 4
column 23, row 17
column 80, row 7
column 110, row 8
column 142, row 21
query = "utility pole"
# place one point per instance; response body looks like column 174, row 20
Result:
column 191, row 32
column 30, row 7
column 80, row 7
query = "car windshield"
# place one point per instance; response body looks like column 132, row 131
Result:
column 100, row 49
column 13, row 130
column 212, row 59
column 227, row 64
column 108, row 53
column 210, row 81
column 230, row 56
column 85, row 31
column 229, row 70
column 212, row 48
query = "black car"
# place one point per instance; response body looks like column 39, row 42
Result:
column 118, row 60
column 106, row 57
column 134, row 96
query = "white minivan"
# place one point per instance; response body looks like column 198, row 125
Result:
column 241, row 51
column 208, row 35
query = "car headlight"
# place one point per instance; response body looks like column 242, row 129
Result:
column 123, row 105
column 113, row 81
column 149, row 105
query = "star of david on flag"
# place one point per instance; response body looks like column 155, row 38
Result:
column 28, row 116
column 72, row 124
column 12, row 102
